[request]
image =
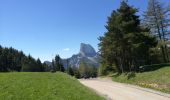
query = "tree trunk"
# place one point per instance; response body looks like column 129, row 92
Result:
column 159, row 32
column 164, row 40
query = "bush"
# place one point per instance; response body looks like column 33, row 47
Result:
column 153, row 67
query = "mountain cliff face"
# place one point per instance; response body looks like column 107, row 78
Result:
column 87, row 50
column 87, row 54
column 48, row 63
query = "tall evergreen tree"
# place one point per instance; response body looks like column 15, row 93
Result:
column 157, row 19
column 40, row 66
column 57, row 64
column 126, row 44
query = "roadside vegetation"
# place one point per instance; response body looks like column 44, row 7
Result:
column 134, row 47
column 85, row 70
column 157, row 79
column 43, row 86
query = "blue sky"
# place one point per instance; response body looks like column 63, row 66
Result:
column 44, row 28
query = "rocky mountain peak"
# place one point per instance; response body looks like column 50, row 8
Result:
column 87, row 54
column 86, row 50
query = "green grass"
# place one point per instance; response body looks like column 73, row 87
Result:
column 158, row 79
column 43, row 86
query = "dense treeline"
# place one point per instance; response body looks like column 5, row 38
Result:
column 57, row 64
column 84, row 70
column 130, row 43
column 14, row 60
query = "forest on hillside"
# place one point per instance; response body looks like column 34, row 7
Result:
column 12, row 60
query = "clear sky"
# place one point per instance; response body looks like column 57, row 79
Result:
column 44, row 28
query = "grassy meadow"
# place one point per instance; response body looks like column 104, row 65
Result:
column 43, row 86
column 158, row 79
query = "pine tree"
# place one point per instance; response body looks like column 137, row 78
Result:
column 125, row 46
column 157, row 19
column 57, row 63
column 40, row 67
column 70, row 71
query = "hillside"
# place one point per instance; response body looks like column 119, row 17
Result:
column 158, row 79
column 43, row 86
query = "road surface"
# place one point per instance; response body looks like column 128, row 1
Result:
column 118, row 91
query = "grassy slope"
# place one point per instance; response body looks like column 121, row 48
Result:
column 43, row 86
column 158, row 79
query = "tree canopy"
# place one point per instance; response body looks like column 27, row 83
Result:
column 14, row 60
column 126, row 44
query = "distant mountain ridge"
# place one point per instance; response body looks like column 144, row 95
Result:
column 48, row 63
column 86, row 54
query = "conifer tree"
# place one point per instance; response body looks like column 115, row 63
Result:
column 125, row 46
column 157, row 19
column 70, row 71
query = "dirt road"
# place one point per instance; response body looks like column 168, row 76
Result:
column 119, row 91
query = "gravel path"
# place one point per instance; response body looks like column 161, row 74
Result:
column 119, row 91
